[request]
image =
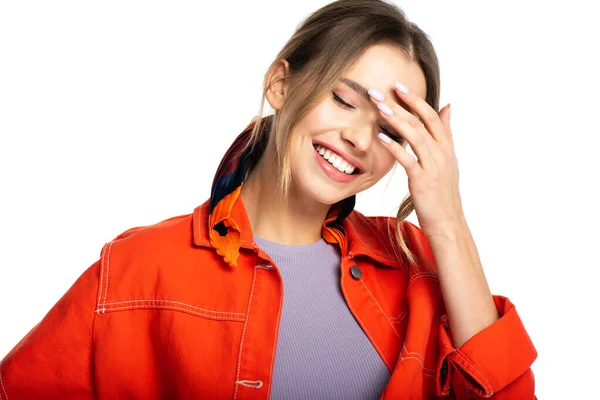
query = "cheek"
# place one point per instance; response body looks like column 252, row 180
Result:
column 384, row 161
column 321, row 118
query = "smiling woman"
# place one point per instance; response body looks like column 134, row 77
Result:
column 374, row 307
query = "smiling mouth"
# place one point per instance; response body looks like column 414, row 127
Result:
column 336, row 161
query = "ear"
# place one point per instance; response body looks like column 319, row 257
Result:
column 278, row 82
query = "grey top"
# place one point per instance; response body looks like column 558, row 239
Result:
column 322, row 352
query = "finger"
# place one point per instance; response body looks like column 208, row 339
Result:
column 410, row 128
column 420, row 107
column 445, row 114
column 404, row 158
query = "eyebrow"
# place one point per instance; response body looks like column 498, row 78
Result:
column 360, row 89
column 357, row 87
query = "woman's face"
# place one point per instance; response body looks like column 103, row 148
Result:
column 347, row 134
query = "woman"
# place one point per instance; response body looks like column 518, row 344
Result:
column 194, row 306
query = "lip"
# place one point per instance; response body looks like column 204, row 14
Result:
column 349, row 159
column 332, row 172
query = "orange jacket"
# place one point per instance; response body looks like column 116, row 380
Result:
column 162, row 315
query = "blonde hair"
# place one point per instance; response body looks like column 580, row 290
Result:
column 322, row 48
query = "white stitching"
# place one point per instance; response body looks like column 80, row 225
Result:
column 431, row 374
column 140, row 306
column 380, row 309
column 362, row 324
column 251, row 384
column 421, row 275
column 239, row 366
column 175, row 302
column 399, row 318
column 479, row 392
column 265, row 266
column 372, row 340
column 200, row 222
column 103, row 252
column 377, row 230
column 485, row 382
column 107, row 272
column 415, row 358
column 366, row 250
column 418, row 354
column 276, row 329
column 2, row 383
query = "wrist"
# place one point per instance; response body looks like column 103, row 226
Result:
column 450, row 231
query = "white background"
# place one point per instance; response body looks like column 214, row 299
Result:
column 115, row 114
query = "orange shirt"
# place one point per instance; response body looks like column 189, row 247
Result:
column 186, row 309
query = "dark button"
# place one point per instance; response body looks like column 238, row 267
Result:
column 355, row 272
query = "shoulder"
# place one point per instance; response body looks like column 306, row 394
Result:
column 143, row 259
column 149, row 242
column 168, row 229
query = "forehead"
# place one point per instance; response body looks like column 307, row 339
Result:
column 380, row 66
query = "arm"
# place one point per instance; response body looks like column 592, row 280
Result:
column 54, row 360
column 483, row 341
column 494, row 363
column 477, row 324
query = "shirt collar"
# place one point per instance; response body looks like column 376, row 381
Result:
column 222, row 222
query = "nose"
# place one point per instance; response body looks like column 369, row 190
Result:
column 359, row 136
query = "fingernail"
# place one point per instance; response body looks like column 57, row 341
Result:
column 385, row 109
column 376, row 94
column 384, row 138
column 401, row 87
column 449, row 111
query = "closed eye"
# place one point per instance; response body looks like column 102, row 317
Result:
column 342, row 102
column 394, row 137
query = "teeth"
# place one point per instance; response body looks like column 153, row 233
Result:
column 335, row 160
column 338, row 162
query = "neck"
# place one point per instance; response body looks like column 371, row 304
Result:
column 297, row 222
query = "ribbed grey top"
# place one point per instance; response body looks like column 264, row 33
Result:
column 322, row 352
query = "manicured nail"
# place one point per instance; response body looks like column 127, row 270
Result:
column 385, row 138
column 385, row 109
column 376, row 94
column 401, row 87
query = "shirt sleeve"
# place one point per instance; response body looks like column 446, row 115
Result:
column 494, row 363
column 54, row 360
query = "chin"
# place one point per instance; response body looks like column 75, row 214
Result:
column 317, row 188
